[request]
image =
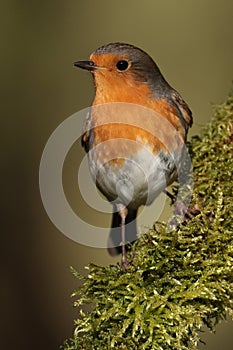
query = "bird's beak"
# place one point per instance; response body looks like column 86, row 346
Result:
column 88, row 65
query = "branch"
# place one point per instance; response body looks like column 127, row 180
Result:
column 180, row 280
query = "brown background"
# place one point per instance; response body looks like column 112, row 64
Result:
column 192, row 43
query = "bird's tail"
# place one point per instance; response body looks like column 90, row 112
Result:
column 115, row 233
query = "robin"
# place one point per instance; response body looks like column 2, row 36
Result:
column 134, row 134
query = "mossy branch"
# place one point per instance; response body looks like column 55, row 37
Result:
column 180, row 280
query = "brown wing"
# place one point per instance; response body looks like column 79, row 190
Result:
column 184, row 112
column 86, row 134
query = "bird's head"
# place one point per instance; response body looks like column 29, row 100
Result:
column 120, row 69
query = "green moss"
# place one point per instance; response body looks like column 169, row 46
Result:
column 179, row 281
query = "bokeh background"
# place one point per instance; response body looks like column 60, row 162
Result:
column 190, row 40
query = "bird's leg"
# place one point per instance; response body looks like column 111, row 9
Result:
column 123, row 211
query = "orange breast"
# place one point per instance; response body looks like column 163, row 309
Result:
column 148, row 127
column 109, row 91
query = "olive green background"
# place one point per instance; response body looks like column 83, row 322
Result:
column 191, row 41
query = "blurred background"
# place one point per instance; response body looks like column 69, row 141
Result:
column 191, row 41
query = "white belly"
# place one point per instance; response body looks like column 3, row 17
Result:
column 134, row 180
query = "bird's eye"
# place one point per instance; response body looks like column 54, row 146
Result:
column 122, row 65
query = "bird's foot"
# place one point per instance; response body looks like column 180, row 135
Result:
column 182, row 214
column 191, row 213
column 124, row 265
column 188, row 213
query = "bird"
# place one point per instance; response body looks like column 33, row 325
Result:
column 134, row 134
